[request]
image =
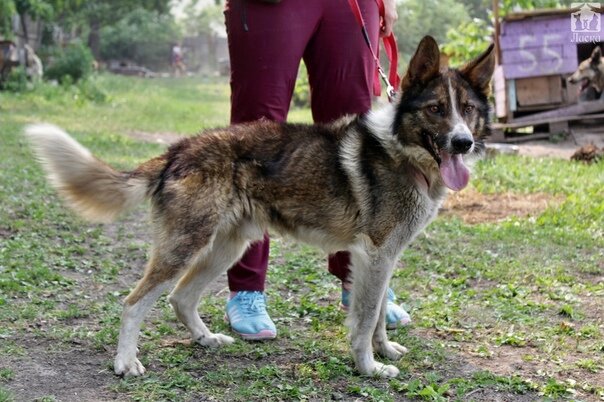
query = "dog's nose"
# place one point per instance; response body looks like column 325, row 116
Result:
column 461, row 143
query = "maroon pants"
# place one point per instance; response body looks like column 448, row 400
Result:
column 266, row 44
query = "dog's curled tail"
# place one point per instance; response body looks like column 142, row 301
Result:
column 92, row 188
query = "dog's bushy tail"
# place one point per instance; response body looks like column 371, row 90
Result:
column 92, row 188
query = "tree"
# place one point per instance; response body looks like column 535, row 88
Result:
column 7, row 10
column 96, row 14
column 426, row 17
column 143, row 36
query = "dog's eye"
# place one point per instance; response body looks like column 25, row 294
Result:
column 434, row 109
column 468, row 109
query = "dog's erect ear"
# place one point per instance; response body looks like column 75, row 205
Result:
column 424, row 64
column 596, row 56
column 479, row 71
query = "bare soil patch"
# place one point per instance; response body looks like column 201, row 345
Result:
column 473, row 207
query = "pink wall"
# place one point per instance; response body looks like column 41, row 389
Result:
column 538, row 46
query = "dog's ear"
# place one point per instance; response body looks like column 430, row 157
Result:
column 424, row 64
column 479, row 71
column 596, row 56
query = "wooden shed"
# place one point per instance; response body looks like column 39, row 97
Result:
column 538, row 50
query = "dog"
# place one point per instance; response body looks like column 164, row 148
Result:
column 590, row 75
column 367, row 184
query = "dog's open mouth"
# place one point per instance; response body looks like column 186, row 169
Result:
column 453, row 170
column 584, row 83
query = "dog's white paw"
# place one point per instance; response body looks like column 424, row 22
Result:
column 391, row 350
column 214, row 340
column 384, row 370
column 377, row 369
column 128, row 366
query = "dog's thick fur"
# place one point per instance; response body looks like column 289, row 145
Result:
column 590, row 74
column 367, row 184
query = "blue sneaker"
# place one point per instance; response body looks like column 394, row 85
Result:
column 396, row 316
column 246, row 312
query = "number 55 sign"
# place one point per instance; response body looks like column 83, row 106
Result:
column 538, row 47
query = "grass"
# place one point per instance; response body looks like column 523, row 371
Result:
column 509, row 309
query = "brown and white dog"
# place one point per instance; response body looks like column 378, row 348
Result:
column 367, row 184
column 590, row 74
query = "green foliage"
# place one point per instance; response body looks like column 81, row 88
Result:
column 508, row 6
column 201, row 20
column 301, row 96
column 70, row 64
column 426, row 17
column 467, row 41
column 142, row 36
column 16, row 80
column 7, row 10
column 5, row 395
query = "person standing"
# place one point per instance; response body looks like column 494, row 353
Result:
column 267, row 40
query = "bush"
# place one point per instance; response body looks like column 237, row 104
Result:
column 141, row 36
column 71, row 64
column 16, row 81
column 301, row 96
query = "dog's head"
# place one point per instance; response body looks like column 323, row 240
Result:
column 443, row 113
column 588, row 71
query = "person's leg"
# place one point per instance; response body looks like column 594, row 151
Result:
column 266, row 43
column 340, row 66
column 344, row 85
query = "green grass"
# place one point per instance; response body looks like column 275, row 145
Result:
column 510, row 308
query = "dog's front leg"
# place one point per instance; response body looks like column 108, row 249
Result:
column 381, row 344
column 370, row 281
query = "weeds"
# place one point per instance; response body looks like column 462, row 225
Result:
column 507, row 310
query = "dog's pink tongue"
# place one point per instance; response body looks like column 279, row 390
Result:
column 454, row 172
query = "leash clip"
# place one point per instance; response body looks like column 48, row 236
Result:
column 390, row 91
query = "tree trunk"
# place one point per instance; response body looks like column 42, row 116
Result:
column 94, row 39
column 24, row 27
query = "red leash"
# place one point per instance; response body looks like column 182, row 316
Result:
column 393, row 80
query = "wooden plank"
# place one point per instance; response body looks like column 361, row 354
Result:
column 558, row 127
column 549, row 12
column 539, row 90
column 540, row 53
column 534, row 68
column 537, row 122
column 529, row 137
column 499, row 92
column 578, row 109
column 556, row 31
column 537, row 26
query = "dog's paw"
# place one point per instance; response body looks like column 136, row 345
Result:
column 128, row 367
column 391, row 350
column 384, row 370
column 214, row 340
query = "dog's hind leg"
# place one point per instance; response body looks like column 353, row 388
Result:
column 158, row 277
column 370, row 281
column 226, row 250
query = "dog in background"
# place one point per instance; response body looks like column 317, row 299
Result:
column 367, row 184
column 590, row 74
